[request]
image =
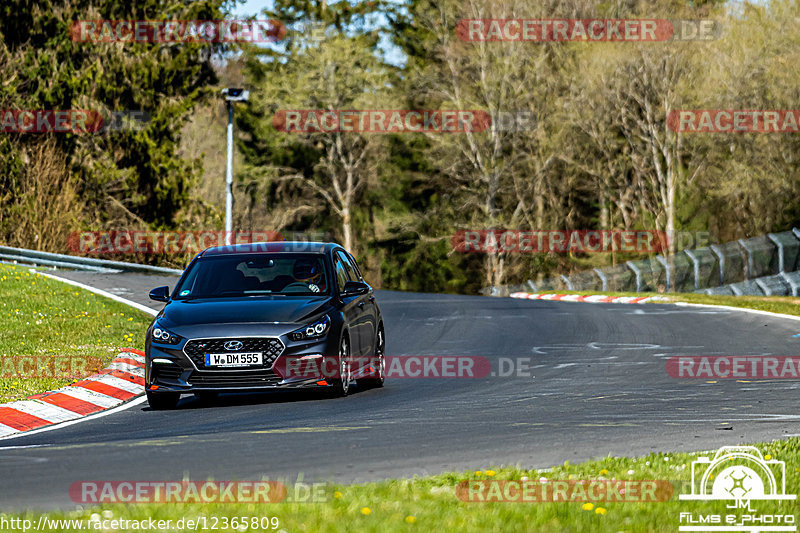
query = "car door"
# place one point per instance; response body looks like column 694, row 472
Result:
column 352, row 312
column 369, row 319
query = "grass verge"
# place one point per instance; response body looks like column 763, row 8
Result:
column 54, row 333
column 431, row 503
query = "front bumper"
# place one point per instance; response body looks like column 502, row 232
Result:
column 172, row 369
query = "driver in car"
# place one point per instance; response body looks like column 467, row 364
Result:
column 309, row 272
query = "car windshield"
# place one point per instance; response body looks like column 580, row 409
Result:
column 254, row 275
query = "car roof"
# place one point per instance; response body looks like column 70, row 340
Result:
column 271, row 247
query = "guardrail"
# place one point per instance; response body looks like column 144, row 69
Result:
column 760, row 265
column 34, row 257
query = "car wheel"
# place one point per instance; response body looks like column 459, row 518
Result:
column 163, row 400
column 342, row 385
column 379, row 358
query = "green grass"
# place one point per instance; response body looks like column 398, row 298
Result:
column 430, row 504
column 45, row 320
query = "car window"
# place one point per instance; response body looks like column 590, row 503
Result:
column 341, row 273
column 253, row 275
column 355, row 265
column 352, row 274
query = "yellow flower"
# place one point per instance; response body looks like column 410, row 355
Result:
column 490, row 473
column 365, row 510
column 587, row 506
column 767, row 457
column 603, row 472
column 337, row 494
column 478, row 473
column 600, row 510
column 410, row 519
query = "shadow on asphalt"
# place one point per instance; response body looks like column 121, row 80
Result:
column 234, row 399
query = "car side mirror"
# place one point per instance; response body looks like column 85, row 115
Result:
column 160, row 294
column 352, row 288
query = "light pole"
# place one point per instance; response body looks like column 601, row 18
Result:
column 231, row 95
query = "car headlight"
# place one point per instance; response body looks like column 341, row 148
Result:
column 312, row 331
column 162, row 336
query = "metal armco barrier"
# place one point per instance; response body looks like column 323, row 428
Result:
column 762, row 257
column 731, row 262
column 706, row 268
column 767, row 265
column 33, row 257
column 788, row 250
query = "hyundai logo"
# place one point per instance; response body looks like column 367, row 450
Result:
column 233, row 345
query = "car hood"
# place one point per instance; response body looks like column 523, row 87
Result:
column 261, row 309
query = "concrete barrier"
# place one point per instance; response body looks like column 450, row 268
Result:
column 649, row 275
column 706, row 268
column 762, row 257
column 617, row 278
column 731, row 262
column 585, row 281
column 773, row 285
column 746, row 288
column 792, row 279
column 680, row 272
column 788, row 245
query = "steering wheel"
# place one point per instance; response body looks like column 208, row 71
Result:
column 296, row 284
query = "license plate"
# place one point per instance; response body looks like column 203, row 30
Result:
column 234, row 359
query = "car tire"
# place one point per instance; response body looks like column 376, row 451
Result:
column 163, row 400
column 380, row 355
column 342, row 385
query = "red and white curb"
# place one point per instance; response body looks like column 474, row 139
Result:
column 121, row 381
column 594, row 298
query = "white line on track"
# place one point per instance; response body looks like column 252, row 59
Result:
column 745, row 309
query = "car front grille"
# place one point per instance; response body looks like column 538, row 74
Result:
column 235, row 378
column 196, row 349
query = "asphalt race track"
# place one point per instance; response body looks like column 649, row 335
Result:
column 598, row 386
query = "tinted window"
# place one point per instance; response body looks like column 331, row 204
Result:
column 253, row 275
column 352, row 275
column 355, row 265
column 341, row 273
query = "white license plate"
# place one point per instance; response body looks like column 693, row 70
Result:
column 234, row 359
